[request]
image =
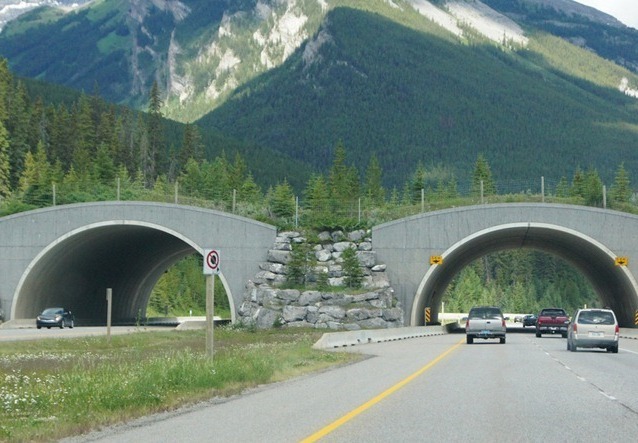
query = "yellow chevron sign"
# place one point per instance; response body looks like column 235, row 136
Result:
column 436, row 260
column 622, row 261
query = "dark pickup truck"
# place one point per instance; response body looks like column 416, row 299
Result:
column 552, row 321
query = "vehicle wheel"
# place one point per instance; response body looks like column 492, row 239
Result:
column 61, row 325
column 39, row 327
column 614, row 349
column 502, row 340
column 48, row 327
column 573, row 348
column 538, row 334
column 564, row 335
column 469, row 339
column 72, row 324
column 569, row 346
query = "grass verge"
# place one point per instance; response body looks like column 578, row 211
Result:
column 53, row 388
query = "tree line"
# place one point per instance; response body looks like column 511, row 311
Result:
column 84, row 146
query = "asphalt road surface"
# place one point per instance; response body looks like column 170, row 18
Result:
column 433, row 388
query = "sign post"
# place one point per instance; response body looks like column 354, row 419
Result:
column 211, row 268
column 109, row 310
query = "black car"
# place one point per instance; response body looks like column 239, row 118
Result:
column 529, row 320
column 58, row 317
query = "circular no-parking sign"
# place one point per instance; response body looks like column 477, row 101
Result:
column 211, row 261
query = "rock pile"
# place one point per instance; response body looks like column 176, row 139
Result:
column 267, row 305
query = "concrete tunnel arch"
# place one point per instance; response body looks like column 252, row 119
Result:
column 615, row 285
column 76, row 269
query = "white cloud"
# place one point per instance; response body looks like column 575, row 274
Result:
column 624, row 10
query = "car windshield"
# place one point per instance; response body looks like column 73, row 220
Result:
column 52, row 311
column 485, row 313
column 596, row 318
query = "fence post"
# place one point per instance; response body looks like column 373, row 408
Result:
column 118, row 189
column 176, row 192
column 422, row 200
column 542, row 189
column 359, row 210
column 604, row 197
column 234, row 199
column 53, row 190
column 482, row 198
column 296, row 211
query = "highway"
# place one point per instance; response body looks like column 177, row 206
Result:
column 432, row 388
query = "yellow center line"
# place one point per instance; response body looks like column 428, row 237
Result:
column 352, row 414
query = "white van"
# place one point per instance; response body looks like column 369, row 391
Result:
column 593, row 328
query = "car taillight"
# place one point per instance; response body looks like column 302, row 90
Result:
column 575, row 328
column 467, row 323
column 617, row 330
column 503, row 323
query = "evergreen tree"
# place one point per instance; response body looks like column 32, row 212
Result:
column 317, row 201
column 578, row 183
column 593, row 188
column 282, row 203
column 343, row 182
column 191, row 146
column 417, row 184
column 302, row 263
column 482, row 174
column 621, row 189
column 18, row 126
column 352, row 268
column 153, row 160
column 104, row 171
column 562, row 188
column 5, row 179
column 250, row 191
column 373, row 189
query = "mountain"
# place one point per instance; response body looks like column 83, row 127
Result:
column 540, row 86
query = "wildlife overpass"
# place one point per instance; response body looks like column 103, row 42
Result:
column 424, row 252
column 69, row 255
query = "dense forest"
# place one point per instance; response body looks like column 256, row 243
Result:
column 58, row 153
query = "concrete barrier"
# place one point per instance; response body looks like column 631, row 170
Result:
column 331, row 340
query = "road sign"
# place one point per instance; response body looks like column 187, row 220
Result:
column 436, row 260
column 211, row 262
column 622, row 261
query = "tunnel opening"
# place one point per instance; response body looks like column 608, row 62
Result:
column 519, row 281
column 613, row 285
column 181, row 292
column 130, row 259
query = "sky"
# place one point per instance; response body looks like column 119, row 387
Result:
column 624, row 10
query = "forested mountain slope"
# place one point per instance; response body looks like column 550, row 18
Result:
column 411, row 80
column 414, row 97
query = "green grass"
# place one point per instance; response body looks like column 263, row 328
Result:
column 54, row 388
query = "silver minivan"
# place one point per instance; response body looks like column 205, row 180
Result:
column 593, row 328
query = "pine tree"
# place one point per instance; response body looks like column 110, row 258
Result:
column 621, row 190
column 373, row 189
column 417, row 184
column 302, row 263
column 578, row 184
column 482, row 174
column 250, row 191
column 5, row 179
column 343, row 181
column 316, row 200
column 593, row 188
column 154, row 158
column 283, row 200
column 352, row 268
